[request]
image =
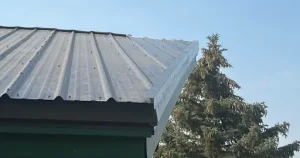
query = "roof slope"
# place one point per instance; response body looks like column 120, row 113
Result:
column 41, row 63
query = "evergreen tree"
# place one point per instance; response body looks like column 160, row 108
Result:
column 210, row 121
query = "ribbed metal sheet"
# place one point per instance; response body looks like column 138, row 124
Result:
column 45, row 64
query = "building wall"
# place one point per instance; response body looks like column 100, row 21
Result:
column 70, row 146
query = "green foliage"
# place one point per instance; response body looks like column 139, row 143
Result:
column 210, row 121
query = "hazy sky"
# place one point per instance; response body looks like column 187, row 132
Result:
column 262, row 37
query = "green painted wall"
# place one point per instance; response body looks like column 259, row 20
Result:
column 70, row 146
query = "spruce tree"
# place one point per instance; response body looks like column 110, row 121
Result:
column 211, row 121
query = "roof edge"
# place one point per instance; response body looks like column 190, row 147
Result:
column 162, row 92
column 63, row 30
column 6, row 96
column 167, row 96
column 192, row 51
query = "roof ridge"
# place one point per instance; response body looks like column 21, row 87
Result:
column 94, row 32
column 63, row 30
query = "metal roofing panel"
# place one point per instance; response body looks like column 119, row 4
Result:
column 40, row 63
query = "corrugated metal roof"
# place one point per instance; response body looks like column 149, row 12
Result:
column 40, row 63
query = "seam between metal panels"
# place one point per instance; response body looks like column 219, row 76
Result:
column 10, row 49
column 135, row 67
column 7, row 34
column 160, row 48
column 88, row 69
column 148, row 54
column 26, row 68
column 102, row 70
column 76, row 65
column 48, row 73
column 63, row 71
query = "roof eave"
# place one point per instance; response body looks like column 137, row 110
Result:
column 92, row 112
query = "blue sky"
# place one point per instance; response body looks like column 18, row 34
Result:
column 262, row 37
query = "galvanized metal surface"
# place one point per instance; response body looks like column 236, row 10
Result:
column 37, row 63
